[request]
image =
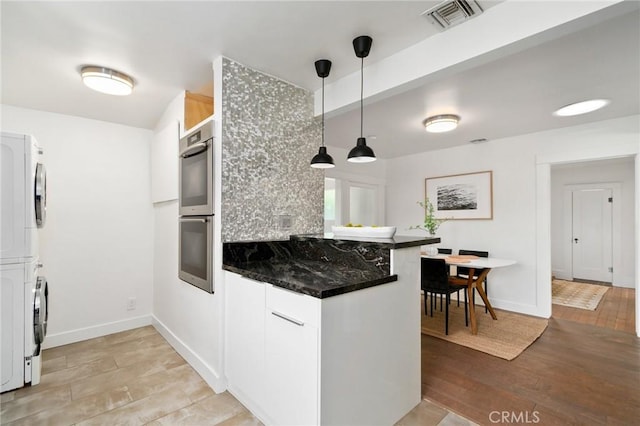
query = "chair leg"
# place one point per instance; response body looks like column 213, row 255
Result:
column 466, row 307
column 446, row 316
column 440, row 303
column 458, row 297
column 425, row 304
column 487, row 293
column 432, row 300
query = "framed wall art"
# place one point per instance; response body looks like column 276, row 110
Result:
column 464, row 196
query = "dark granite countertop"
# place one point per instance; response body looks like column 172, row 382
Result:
column 316, row 264
column 397, row 242
column 316, row 278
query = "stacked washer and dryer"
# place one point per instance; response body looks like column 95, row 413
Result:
column 23, row 293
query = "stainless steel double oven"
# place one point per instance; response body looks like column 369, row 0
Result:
column 196, row 202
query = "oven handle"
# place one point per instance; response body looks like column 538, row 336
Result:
column 194, row 149
column 201, row 220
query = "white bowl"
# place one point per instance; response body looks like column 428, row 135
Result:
column 364, row 231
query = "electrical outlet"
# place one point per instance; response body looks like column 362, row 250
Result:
column 284, row 222
column 131, row 304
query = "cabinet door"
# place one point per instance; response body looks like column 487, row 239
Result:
column 164, row 163
column 292, row 369
column 244, row 313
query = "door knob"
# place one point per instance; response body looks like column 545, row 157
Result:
column 576, row 240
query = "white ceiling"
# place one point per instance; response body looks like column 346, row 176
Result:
column 168, row 47
column 512, row 95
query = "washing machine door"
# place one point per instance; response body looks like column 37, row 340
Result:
column 40, row 194
column 40, row 312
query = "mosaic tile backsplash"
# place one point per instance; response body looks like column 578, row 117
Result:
column 269, row 135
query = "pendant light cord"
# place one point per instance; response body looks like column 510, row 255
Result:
column 322, row 111
column 361, row 92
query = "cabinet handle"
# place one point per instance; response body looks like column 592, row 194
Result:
column 286, row 318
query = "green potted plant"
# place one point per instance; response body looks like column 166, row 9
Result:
column 431, row 223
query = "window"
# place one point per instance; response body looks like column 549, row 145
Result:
column 350, row 201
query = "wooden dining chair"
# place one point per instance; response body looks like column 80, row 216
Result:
column 464, row 272
column 435, row 279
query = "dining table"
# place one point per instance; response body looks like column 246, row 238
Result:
column 483, row 265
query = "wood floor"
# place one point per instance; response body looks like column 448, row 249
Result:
column 583, row 370
column 615, row 311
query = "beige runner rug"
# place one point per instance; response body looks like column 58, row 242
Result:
column 577, row 295
column 505, row 338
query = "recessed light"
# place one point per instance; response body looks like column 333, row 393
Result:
column 581, row 107
column 106, row 80
column 441, row 123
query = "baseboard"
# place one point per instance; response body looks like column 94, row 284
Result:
column 208, row 373
column 80, row 334
column 627, row 282
column 518, row 308
column 561, row 275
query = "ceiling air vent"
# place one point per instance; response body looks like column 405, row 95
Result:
column 452, row 12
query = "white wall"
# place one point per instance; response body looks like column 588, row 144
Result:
column 190, row 319
column 513, row 232
column 605, row 171
column 96, row 246
column 186, row 316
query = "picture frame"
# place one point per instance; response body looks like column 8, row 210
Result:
column 463, row 196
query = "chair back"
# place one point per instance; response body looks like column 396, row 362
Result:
column 444, row 251
column 434, row 275
column 465, row 271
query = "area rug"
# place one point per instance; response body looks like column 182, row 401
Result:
column 577, row 295
column 504, row 338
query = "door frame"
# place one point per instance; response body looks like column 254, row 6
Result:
column 543, row 215
column 616, row 225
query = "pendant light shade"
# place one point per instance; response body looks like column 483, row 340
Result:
column 322, row 160
column 361, row 153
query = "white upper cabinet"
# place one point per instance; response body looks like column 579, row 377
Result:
column 164, row 163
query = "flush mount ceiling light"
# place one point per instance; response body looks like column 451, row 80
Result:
column 581, row 107
column 106, row 80
column 441, row 123
column 322, row 160
column 361, row 153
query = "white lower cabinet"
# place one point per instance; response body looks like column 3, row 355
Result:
column 291, row 358
column 245, row 367
column 272, row 351
column 350, row 359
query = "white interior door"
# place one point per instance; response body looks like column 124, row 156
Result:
column 592, row 234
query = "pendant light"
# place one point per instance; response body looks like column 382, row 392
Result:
column 322, row 160
column 361, row 153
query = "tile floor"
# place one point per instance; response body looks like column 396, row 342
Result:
column 136, row 378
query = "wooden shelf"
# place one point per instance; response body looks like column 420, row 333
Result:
column 196, row 108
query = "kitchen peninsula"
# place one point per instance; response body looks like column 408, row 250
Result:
column 323, row 330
